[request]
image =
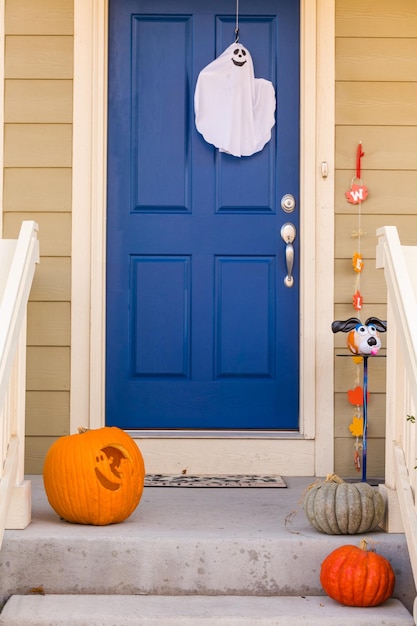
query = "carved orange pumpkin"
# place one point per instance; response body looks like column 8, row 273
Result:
column 357, row 577
column 94, row 477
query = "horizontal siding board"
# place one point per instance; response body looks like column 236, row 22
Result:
column 40, row 101
column 38, row 57
column 37, row 189
column 376, row 59
column 342, row 310
column 47, row 413
column 346, row 246
column 344, row 458
column 344, row 412
column 43, row 17
column 385, row 147
column 52, row 281
column 35, row 451
column 389, row 192
column 372, row 282
column 48, row 368
column 49, row 324
column 54, row 230
column 347, row 243
column 376, row 103
column 384, row 18
column 37, row 145
column 345, row 225
column 346, row 372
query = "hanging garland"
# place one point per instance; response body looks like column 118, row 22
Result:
column 357, row 193
column 363, row 340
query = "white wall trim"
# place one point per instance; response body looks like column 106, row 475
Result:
column 89, row 214
column 324, row 240
column 307, row 215
column 317, row 219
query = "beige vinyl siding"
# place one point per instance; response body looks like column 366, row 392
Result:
column 37, row 185
column 376, row 103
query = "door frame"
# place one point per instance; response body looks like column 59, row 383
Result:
column 212, row 452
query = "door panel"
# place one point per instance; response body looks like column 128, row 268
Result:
column 201, row 331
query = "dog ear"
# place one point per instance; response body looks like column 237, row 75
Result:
column 379, row 324
column 345, row 325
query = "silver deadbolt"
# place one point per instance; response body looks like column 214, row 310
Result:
column 288, row 234
column 288, row 203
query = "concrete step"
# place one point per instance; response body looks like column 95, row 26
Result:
column 186, row 541
column 97, row 610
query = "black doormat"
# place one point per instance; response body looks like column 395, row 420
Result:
column 229, row 480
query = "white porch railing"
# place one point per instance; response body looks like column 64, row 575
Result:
column 400, row 268
column 18, row 259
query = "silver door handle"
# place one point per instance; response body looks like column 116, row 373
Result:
column 288, row 234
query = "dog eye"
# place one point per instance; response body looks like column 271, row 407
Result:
column 361, row 330
column 371, row 329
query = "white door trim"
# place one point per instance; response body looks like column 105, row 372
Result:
column 311, row 451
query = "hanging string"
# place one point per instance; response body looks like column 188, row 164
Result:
column 359, row 154
column 237, row 22
column 359, row 231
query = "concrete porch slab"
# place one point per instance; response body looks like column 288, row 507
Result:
column 208, row 542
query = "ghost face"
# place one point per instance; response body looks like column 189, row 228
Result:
column 238, row 57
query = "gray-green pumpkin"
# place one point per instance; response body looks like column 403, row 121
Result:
column 338, row 508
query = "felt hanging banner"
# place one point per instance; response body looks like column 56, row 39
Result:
column 356, row 194
column 234, row 111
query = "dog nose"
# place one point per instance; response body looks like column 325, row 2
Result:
column 371, row 341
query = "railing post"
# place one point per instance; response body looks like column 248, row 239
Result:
column 19, row 513
column 394, row 385
column 398, row 263
column 19, row 259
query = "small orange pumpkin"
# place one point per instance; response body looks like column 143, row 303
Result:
column 94, row 476
column 356, row 576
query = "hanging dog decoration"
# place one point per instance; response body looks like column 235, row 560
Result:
column 362, row 340
column 234, row 111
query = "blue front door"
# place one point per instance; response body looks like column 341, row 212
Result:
column 202, row 332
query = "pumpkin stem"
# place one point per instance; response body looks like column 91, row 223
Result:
column 82, row 429
column 334, row 478
column 364, row 546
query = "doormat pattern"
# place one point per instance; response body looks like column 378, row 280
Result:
column 229, row 480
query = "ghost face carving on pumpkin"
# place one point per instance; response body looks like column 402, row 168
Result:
column 238, row 57
column 112, row 465
column 95, row 476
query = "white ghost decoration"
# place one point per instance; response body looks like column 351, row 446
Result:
column 234, row 111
